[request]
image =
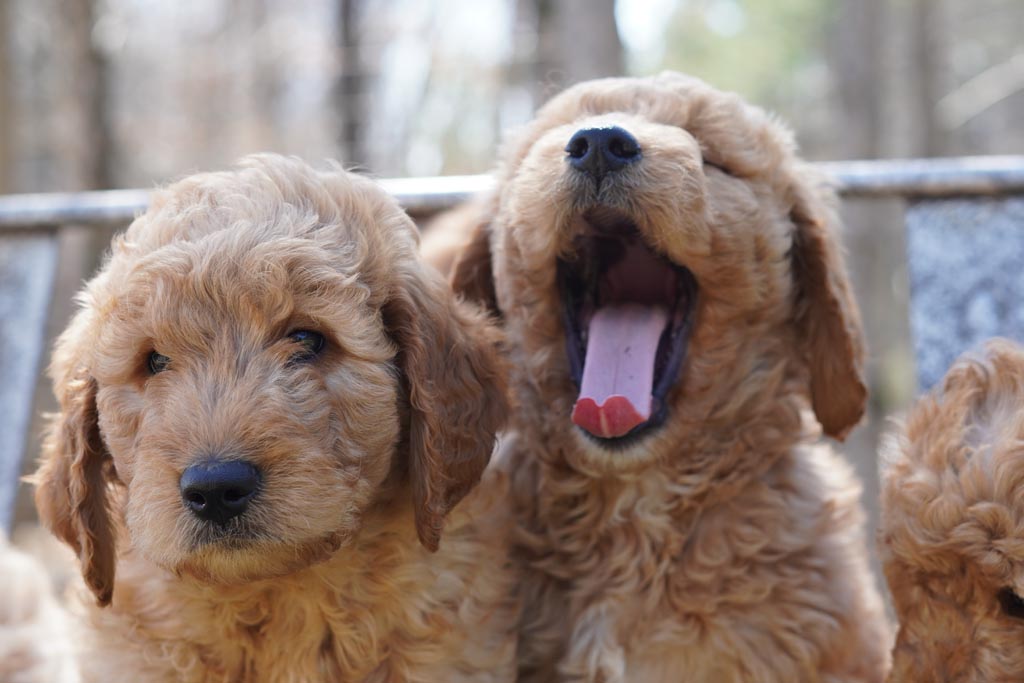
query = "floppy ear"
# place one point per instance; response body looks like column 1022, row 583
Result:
column 72, row 482
column 471, row 274
column 827, row 320
column 455, row 377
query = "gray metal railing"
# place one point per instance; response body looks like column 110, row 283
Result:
column 990, row 175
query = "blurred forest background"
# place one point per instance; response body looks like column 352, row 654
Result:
column 127, row 93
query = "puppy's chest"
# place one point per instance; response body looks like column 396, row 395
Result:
column 313, row 634
column 640, row 549
column 323, row 636
column 616, row 538
column 299, row 637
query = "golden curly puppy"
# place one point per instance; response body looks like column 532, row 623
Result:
column 269, row 406
column 671, row 282
column 952, row 536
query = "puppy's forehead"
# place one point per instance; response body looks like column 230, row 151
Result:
column 274, row 242
column 269, row 197
column 272, row 212
column 643, row 97
column 726, row 127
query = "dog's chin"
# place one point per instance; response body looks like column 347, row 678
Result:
column 599, row 458
column 237, row 561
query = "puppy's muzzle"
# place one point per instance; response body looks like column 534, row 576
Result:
column 600, row 151
column 217, row 490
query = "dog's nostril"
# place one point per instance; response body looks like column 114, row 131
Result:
column 624, row 147
column 195, row 500
column 234, row 495
column 217, row 491
column 577, row 147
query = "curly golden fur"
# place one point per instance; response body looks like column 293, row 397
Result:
column 726, row 543
column 952, row 534
column 364, row 449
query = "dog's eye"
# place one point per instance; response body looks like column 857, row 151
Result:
column 1011, row 603
column 157, row 362
column 310, row 344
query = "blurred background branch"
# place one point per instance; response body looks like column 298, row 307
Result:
column 983, row 91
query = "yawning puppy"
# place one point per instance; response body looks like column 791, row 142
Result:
column 671, row 282
column 269, row 406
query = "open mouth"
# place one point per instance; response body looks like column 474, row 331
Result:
column 627, row 313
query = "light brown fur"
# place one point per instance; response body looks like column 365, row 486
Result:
column 727, row 544
column 952, row 534
column 35, row 643
column 447, row 235
column 365, row 450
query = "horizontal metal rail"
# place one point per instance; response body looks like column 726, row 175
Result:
column 909, row 178
column 917, row 178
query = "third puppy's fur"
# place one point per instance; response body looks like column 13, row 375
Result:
column 952, row 533
column 681, row 322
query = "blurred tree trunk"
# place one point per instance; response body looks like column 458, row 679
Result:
column 533, row 59
column 576, row 40
column 83, row 137
column 75, row 143
column 587, row 43
column 268, row 77
column 925, row 18
column 858, row 60
column 6, row 98
column 349, row 87
column 76, row 132
column 873, row 233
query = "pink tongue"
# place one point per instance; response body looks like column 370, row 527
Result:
column 618, row 373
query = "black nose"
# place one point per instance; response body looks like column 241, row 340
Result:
column 597, row 151
column 217, row 490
